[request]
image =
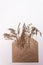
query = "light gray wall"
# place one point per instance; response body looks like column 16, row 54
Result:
column 11, row 13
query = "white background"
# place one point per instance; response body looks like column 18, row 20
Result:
column 11, row 13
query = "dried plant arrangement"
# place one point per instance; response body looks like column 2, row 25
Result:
column 25, row 47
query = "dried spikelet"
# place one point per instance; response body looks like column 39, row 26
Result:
column 34, row 29
column 40, row 33
column 23, row 35
column 6, row 36
column 18, row 28
column 28, row 28
column 12, row 30
column 9, row 36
